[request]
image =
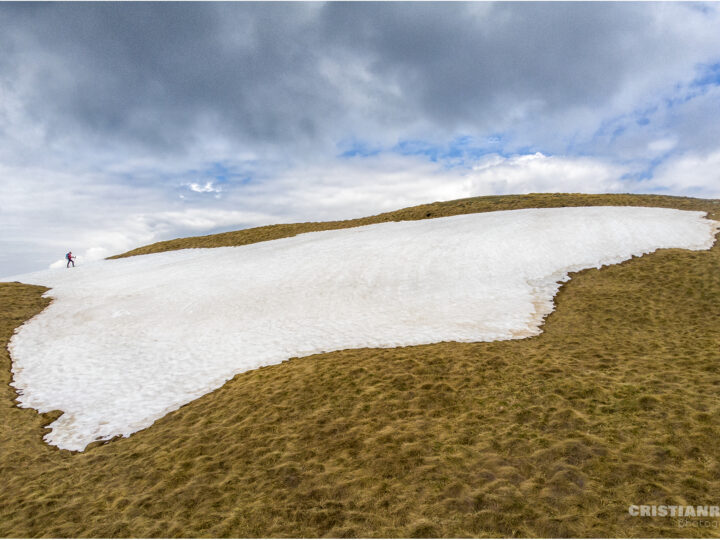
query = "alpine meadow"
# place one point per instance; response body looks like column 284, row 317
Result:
column 614, row 403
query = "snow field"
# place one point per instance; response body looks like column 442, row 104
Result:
column 129, row 340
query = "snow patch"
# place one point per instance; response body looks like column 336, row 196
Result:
column 129, row 340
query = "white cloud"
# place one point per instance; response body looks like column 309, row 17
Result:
column 661, row 146
column 539, row 173
column 691, row 174
column 98, row 215
column 207, row 188
column 200, row 219
column 360, row 186
column 44, row 213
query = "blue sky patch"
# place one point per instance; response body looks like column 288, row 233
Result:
column 356, row 148
column 710, row 75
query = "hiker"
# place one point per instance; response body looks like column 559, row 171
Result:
column 70, row 259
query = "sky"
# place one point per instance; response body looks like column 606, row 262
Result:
column 123, row 124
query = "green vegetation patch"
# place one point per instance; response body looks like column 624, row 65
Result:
column 616, row 403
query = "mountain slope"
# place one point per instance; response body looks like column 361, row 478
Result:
column 616, row 403
column 425, row 211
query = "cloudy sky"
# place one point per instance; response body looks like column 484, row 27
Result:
column 124, row 124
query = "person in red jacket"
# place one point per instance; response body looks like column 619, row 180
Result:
column 70, row 259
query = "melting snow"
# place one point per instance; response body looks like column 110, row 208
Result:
column 127, row 341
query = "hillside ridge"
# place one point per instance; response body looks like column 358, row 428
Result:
column 424, row 211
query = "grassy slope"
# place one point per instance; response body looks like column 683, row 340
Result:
column 616, row 403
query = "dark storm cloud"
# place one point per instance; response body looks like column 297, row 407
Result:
column 162, row 75
column 461, row 57
column 484, row 66
column 151, row 72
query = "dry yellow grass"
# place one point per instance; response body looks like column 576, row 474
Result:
column 617, row 402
